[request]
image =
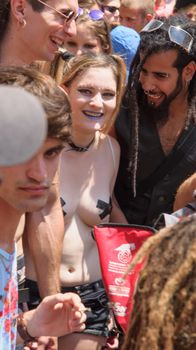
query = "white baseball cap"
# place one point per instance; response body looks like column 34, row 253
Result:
column 23, row 125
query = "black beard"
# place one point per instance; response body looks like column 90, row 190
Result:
column 159, row 114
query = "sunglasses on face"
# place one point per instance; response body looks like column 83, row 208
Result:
column 68, row 15
column 111, row 9
column 176, row 34
column 95, row 15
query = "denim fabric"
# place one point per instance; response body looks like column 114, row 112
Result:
column 94, row 298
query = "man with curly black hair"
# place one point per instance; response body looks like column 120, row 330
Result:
column 156, row 124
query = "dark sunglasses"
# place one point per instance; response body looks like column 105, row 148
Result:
column 111, row 9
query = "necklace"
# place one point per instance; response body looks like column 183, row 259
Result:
column 80, row 148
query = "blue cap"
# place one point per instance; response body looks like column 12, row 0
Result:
column 125, row 42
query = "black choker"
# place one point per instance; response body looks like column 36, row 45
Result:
column 78, row 148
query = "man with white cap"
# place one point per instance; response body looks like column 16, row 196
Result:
column 22, row 132
column 27, row 164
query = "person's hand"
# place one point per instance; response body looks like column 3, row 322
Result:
column 56, row 315
column 43, row 343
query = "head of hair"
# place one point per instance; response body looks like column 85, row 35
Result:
column 78, row 65
column 53, row 99
column 88, row 4
column 156, row 42
column 163, row 315
column 99, row 29
column 144, row 7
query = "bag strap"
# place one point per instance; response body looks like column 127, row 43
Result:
column 172, row 159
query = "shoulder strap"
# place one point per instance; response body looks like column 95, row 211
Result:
column 172, row 159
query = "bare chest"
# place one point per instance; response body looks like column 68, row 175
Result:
column 169, row 134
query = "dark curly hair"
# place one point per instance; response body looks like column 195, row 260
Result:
column 156, row 42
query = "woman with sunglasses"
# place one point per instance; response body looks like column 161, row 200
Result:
column 34, row 29
column 94, row 84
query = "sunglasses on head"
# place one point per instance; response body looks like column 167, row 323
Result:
column 176, row 34
column 111, row 9
column 95, row 15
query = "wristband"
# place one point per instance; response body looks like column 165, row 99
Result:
column 22, row 329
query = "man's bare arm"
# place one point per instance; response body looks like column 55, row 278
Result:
column 43, row 238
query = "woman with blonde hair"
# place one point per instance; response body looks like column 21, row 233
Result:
column 94, row 84
column 88, row 168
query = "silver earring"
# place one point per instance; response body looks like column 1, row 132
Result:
column 22, row 22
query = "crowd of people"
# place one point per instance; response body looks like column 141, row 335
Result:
column 98, row 125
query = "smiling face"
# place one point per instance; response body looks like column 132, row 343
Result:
column 25, row 187
column 46, row 30
column 161, row 82
column 85, row 40
column 93, row 99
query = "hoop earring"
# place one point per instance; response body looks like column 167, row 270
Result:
column 22, row 22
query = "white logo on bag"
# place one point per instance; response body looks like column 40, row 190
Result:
column 125, row 254
column 119, row 281
column 119, row 310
